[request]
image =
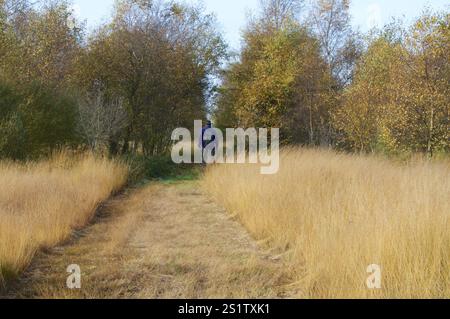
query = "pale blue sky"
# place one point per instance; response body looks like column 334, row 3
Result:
column 232, row 14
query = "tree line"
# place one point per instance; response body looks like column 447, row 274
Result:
column 307, row 72
column 123, row 88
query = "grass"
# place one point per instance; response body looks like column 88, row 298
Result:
column 158, row 241
column 334, row 214
column 41, row 204
column 160, row 168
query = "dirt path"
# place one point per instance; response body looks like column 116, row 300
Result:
column 162, row 241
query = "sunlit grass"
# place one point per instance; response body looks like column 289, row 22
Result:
column 336, row 214
column 42, row 203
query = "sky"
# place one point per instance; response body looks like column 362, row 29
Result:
column 232, row 14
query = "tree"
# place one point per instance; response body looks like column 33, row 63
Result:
column 366, row 102
column 277, row 13
column 399, row 101
column 280, row 80
column 101, row 119
column 158, row 57
column 330, row 23
column 426, row 101
column 37, row 48
column 45, row 45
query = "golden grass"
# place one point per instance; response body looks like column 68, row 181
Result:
column 159, row 241
column 336, row 214
column 41, row 204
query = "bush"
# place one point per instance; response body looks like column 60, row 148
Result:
column 12, row 139
column 11, row 127
column 49, row 119
column 158, row 168
column 35, row 121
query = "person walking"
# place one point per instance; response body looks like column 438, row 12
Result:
column 205, row 140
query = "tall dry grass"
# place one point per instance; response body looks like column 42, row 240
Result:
column 42, row 203
column 336, row 214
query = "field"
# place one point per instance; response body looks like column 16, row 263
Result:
column 310, row 231
column 105, row 111
column 334, row 215
column 41, row 204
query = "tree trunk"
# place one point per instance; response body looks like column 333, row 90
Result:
column 430, row 135
column 311, row 127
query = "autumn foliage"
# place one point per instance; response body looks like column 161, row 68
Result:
column 326, row 85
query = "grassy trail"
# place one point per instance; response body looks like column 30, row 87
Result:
column 160, row 241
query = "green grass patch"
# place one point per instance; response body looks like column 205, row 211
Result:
column 161, row 168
